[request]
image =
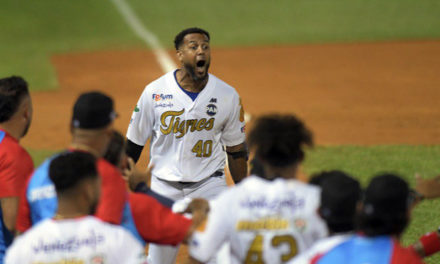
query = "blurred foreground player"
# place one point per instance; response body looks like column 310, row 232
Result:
column 91, row 128
column 383, row 217
column 72, row 236
column 15, row 163
column 269, row 217
column 340, row 196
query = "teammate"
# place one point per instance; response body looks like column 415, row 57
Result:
column 383, row 217
column 91, row 128
column 191, row 116
column 340, row 195
column 269, row 217
column 72, row 236
column 15, row 163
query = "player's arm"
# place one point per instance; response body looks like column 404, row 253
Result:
column 233, row 137
column 237, row 161
column 12, row 182
column 158, row 224
column 214, row 231
column 141, row 125
column 138, row 182
column 9, row 207
column 428, row 244
column 133, row 150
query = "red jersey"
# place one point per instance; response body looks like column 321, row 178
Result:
column 157, row 223
column 38, row 199
column 15, row 166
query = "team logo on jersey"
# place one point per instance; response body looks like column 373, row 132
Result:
column 211, row 109
column 97, row 259
column 158, row 97
column 171, row 123
column 300, row 224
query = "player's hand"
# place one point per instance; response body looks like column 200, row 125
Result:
column 133, row 176
column 198, row 205
column 429, row 188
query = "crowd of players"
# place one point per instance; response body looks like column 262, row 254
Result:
column 90, row 204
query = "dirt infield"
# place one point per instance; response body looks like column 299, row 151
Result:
column 386, row 93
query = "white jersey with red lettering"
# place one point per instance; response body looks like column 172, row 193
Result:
column 187, row 137
column 264, row 222
column 82, row 240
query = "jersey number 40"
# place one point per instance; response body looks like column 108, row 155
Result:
column 203, row 148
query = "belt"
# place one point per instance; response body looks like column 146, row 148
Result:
column 215, row 174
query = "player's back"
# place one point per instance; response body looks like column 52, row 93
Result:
column 265, row 221
column 80, row 240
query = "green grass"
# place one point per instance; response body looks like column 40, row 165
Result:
column 38, row 156
column 32, row 31
column 247, row 22
column 365, row 162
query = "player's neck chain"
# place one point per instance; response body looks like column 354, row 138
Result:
column 65, row 216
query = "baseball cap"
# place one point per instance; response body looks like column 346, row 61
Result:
column 387, row 194
column 93, row 110
column 340, row 194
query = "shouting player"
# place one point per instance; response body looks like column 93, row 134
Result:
column 191, row 117
column 269, row 217
column 72, row 236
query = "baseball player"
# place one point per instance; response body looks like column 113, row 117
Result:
column 72, row 236
column 15, row 163
column 269, row 217
column 340, row 195
column 381, row 220
column 192, row 117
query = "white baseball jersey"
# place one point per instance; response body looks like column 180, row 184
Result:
column 187, row 136
column 264, row 222
column 319, row 248
column 85, row 240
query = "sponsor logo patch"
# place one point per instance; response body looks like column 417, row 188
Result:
column 159, row 97
column 164, row 105
column 211, row 109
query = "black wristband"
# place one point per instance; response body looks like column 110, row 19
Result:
column 239, row 154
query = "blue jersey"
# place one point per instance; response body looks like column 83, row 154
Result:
column 366, row 250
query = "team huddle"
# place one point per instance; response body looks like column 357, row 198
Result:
column 91, row 204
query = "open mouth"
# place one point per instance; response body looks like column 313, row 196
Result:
column 201, row 63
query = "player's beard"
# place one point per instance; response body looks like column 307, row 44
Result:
column 192, row 72
column 93, row 207
column 26, row 129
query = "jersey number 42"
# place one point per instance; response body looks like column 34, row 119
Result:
column 255, row 252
